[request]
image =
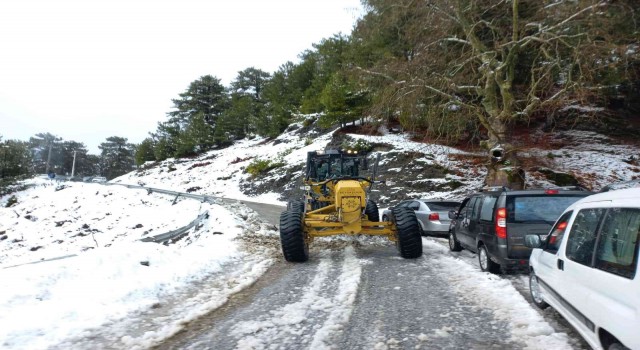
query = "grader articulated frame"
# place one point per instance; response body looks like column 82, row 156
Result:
column 337, row 202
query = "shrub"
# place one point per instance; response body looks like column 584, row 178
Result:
column 262, row 166
column 360, row 145
column 12, row 200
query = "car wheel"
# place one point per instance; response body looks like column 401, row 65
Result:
column 454, row 245
column 485, row 262
column 536, row 292
column 385, row 218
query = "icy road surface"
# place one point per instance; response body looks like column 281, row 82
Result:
column 371, row 299
column 359, row 295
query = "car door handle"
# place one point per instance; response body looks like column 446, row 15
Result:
column 561, row 264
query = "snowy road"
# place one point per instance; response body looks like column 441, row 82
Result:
column 345, row 299
column 361, row 295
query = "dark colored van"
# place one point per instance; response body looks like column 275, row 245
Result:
column 494, row 222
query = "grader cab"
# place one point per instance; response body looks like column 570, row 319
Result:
column 336, row 202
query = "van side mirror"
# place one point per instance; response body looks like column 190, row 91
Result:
column 532, row 241
column 453, row 215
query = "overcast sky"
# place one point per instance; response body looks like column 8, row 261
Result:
column 89, row 69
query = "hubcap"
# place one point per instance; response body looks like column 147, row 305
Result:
column 535, row 289
column 483, row 259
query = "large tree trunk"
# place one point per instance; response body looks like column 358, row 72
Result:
column 503, row 168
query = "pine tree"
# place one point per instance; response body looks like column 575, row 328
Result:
column 145, row 151
column 117, row 157
column 184, row 133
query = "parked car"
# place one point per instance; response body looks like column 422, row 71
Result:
column 493, row 223
column 586, row 268
column 433, row 214
column 99, row 179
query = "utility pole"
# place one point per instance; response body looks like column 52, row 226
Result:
column 4, row 158
column 73, row 167
column 49, row 157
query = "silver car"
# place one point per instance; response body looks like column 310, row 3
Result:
column 433, row 215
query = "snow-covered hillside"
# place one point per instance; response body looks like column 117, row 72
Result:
column 412, row 169
column 107, row 278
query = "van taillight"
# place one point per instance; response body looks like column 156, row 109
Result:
column 434, row 217
column 501, row 223
column 551, row 191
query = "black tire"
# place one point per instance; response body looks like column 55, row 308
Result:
column 485, row 262
column 294, row 247
column 296, row 205
column 454, row 245
column 409, row 241
column 385, row 218
column 535, row 293
column 371, row 211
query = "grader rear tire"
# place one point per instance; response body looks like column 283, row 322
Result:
column 296, row 205
column 409, row 241
column 371, row 211
column 294, row 247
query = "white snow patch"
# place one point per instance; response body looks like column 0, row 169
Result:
column 500, row 296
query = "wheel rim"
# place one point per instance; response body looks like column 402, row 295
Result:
column 452, row 241
column 534, row 287
column 482, row 256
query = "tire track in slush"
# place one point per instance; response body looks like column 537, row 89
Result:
column 295, row 306
column 316, row 318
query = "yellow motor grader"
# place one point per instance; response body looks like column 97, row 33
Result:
column 336, row 203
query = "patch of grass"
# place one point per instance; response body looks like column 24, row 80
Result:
column 262, row 166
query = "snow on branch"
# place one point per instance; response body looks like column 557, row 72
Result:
column 457, row 40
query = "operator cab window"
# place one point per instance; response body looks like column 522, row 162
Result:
column 336, row 168
column 323, row 169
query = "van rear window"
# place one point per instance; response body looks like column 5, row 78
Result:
column 537, row 208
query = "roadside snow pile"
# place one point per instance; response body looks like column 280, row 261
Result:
column 115, row 278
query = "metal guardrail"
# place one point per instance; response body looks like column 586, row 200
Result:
column 160, row 238
column 176, row 234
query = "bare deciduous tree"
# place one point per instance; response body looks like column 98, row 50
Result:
column 447, row 65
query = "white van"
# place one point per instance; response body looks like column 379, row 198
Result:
column 587, row 268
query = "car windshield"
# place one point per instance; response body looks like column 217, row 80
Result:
column 538, row 208
column 442, row 206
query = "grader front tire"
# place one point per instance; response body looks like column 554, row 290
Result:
column 371, row 211
column 409, row 241
column 294, row 247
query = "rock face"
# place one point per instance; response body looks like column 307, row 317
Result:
column 406, row 173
